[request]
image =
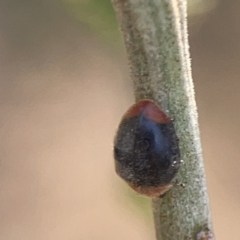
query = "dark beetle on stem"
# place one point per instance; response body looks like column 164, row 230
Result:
column 146, row 149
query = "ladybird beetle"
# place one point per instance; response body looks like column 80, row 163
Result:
column 146, row 149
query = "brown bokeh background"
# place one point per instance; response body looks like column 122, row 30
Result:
column 63, row 90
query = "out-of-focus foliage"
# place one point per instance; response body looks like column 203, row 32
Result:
column 199, row 7
column 98, row 15
column 140, row 202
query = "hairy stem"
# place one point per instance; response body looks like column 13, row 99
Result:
column 155, row 35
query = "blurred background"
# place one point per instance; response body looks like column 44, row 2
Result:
column 63, row 88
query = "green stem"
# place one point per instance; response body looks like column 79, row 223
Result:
column 155, row 35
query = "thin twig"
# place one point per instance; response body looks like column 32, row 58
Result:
column 155, row 35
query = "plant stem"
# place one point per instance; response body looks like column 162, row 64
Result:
column 155, row 35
